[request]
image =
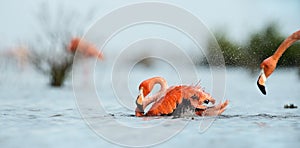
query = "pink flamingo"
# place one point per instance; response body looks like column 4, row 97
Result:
column 270, row 63
column 175, row 100
column 20, row 54
column 84, row 47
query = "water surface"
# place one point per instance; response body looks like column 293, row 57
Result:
column 32, row 114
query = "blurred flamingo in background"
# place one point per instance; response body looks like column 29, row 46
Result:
column 85, row 48
column 175, row 100
column 20, row 54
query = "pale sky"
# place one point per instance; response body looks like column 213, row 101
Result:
column 237, row 17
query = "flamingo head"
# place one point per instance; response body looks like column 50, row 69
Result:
column 144, row 90
column 146, row 86
column 73, row 44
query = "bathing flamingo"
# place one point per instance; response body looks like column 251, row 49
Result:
column 175, row 100
column 84, row 47
column 269, row 64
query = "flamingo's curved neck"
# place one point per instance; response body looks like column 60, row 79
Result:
column 286, row 44
column 163, row 87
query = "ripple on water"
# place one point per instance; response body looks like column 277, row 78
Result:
column 265, row 116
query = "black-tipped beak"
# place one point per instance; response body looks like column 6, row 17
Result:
column 261, row 87
column 139, row 103
column 261, row 82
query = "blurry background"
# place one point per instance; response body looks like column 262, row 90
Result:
column 238, row 19
column 244, row 29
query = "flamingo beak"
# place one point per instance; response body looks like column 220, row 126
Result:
column 261, row 82
column 141, row 93
column 139, row 100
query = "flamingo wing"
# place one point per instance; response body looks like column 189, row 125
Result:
column 175, row 101
column 167, row 104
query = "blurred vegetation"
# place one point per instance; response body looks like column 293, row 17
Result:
column 49, row 53
column 260, row 45
column 60, row 71
column 57, row 70
column 233, row 54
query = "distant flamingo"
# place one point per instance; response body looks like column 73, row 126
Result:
column 20, row 54
column 175, row 100
column 270, row 63
column 84, row 47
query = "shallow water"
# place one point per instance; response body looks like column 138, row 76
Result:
column 32, row 114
